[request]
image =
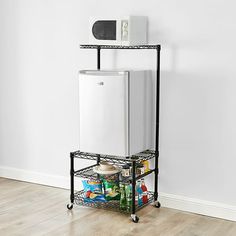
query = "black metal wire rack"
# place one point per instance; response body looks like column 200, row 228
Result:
column 87, row 173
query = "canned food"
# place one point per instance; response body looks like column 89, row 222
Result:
column 125, row 171
column 140, row 169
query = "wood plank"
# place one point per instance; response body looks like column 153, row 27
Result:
column 32, row 209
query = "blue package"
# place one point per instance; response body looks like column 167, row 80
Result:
column 93, row 191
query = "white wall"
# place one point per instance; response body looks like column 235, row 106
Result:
column 39, row 60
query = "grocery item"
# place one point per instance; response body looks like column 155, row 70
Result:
column 139, row 193
column 93, row 191
column 140, row 169
column 146, row 166
column 93, row 186
column 111, row 178
column 125, row 171
column 111, row 189
column 122, row 197
column 128, row 194
column 136, row 197
column 145, row 194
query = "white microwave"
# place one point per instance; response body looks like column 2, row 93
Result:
column 131, row 30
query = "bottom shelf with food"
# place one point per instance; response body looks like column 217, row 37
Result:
column 114, row 205
column 113, row 195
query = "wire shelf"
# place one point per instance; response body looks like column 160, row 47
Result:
column 142, row 156
column 110, row 205
column 92, row 46
column 88, row 173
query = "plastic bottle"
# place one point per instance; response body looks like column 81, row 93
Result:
column 122, row 197
column 145, row 195
column 136, row 197
column 128, row 192
column 140, row 193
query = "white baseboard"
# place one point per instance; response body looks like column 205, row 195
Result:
column 193, row 205
column 213, row 209
column 35, row 177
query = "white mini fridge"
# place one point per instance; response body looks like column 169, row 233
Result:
column 116, row 110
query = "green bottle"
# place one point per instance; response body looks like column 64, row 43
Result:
column 122, row 197
column 128, row 193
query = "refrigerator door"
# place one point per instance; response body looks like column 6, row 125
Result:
column 103, row 101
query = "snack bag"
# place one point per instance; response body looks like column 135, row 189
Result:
column 93, row 191
column 110, row 178
column 112, row 191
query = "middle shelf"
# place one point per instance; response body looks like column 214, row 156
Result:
column 88, row 173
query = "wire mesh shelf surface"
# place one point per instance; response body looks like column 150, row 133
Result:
column 109, row 205
column 88, row 173
column 92, row 46
column 142, row 156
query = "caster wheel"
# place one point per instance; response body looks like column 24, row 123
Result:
column 134, row 218
column 157, row 204
column 69, row 206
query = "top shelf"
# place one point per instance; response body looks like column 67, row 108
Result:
column 142, row 156
column 91, row 46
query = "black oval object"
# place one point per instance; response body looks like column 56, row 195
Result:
column 104, row 30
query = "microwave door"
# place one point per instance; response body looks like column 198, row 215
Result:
column 103, row 99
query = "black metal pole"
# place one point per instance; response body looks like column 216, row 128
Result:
column 157, row 124
column 98, row 57
column 72, row 177
column 133, row 186
column 98, row 159
column 98, row 67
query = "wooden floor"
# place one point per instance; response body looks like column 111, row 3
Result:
column 30, row 209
